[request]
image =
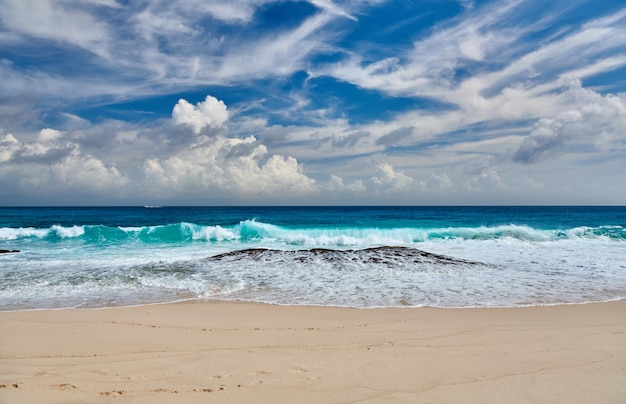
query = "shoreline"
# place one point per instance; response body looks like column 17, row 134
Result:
column 236, row 301
column 225, row 351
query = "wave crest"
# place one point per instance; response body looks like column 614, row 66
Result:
column 251, row 230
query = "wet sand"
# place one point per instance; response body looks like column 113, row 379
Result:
column 242, row 352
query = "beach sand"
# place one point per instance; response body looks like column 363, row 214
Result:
column 253, row 353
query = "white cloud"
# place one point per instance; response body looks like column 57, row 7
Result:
column 467, row 4
column 594, row 121
column 55, row 167
column 332, row 8
column 389, row 179
column 436, row 182
column 231, row 167
column 152, row 25
column 80, row 171
column 272, row 55
column 358, row 187
column 198, row 55
column 8, row 146
column 107, row 3
column 231, row 11
column 483, row 64
column 57, row 20
column 47, row 134
column 429, row 68
column 209, row 167
column 210, row 113
column 501, row 97
column 150, row 48
column 485, row 181
column 335, row 184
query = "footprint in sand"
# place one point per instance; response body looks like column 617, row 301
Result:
column 165, row 391
column 64, row 386
column 262, row 372
column 306, row 375
column 299, row 369
column 112, row 393
column 204, row 390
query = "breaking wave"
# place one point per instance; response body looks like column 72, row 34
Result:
column 251, row 230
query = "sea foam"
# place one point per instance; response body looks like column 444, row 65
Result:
column 381, row 259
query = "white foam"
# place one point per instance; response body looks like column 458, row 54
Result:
column 10, row 233
column 131, row 229
column 212, row 233
column 67, row 232
column 524, row 267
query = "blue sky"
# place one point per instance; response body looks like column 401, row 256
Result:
column 215, row 102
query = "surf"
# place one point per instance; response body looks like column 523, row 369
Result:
column 353, row 257
column 252, row 230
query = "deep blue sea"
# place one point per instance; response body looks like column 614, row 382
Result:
column 331, row 256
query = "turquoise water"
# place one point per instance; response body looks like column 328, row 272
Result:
column 340, row 256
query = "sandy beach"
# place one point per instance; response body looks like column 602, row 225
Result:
column 242, row 352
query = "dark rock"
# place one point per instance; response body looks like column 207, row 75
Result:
column 386, row 256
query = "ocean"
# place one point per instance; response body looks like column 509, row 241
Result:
column 362, row 257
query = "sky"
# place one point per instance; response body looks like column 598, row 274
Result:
column 318, row 102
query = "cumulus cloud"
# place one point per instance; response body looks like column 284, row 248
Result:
column 232, row 166
column 145, row 163
column 212, row 168
column 210, row 113
column 388, row 178
column 358, row 187
column 57, row 166
column 335, row 184
column 595, row 121
column 8, row 146
column 80, row 171
column 547, row 135
column 436, row 182
column 486, row 180
column 47, row 134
